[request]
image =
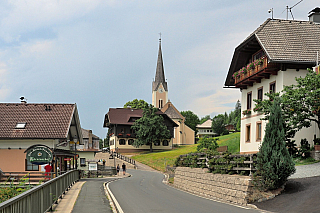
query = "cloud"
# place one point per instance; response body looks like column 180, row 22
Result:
column 4, row 90
column 24, row 16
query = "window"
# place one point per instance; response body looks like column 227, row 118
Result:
column 258, row 55
column 20, row 125
column 122, row 130
column 260, row 93
column 111, row 142
column 130, row 141
column 165, row 143
column 258, row 131
column 249, row 100
column 82, row 162
column 248, row 132
column 157, row 143
column 160, row 103
column 122, row 142
column 31, row 167
column 272, row 87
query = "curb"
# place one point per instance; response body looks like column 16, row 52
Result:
column 116, row 208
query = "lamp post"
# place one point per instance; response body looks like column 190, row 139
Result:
column 75, row 152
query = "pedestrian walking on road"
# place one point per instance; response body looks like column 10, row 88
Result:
column 104, row 162
column 124, row 168
column 118, row 169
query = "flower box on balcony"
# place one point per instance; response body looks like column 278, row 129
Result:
column 128, row 135
column 120, row 134
column 247, row 112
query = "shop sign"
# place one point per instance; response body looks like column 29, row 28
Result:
column 93, row 166
column 67, row 159
column 39, row 155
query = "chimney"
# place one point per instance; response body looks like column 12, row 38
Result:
column 90, row 139
column 315, row 15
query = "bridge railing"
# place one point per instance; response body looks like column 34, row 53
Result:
column 41, row 198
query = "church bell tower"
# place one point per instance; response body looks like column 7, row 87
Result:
column 159, row 85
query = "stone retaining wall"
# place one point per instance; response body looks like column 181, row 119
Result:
column 231, row 188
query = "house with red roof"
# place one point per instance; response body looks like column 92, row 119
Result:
column 23, row 125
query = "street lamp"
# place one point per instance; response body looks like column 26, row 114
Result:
column 75, row 152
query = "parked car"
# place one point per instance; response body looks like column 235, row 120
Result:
column 106, row 149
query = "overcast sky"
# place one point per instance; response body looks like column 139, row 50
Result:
column 101, row 54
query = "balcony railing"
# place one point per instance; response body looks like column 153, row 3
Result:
column 256, row 73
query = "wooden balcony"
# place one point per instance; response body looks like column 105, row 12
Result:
column 256, row 74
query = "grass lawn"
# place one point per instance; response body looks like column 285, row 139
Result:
column 159, row 160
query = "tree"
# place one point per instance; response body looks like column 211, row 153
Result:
column 204, row 119
column 218, row 125
column 274, row 163
column 300, row 103
column 191, row 119
column 136, row 104
column 206, row 143
column 150, row 128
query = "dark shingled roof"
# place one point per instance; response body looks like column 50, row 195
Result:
column 159, row 73
column 283, row 41
column 40, row 123
column 122, row 116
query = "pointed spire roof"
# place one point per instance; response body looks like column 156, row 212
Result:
column 159, row 72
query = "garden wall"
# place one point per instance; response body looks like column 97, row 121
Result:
column 231, row 188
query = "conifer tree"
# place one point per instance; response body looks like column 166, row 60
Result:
column 274, row 163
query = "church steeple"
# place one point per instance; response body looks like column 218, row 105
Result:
column 159, row 85
column 159, row 72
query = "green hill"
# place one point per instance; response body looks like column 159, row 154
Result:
column 159, row 160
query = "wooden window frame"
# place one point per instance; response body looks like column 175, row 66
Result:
column 248, row 134
column 272, row 83
column 249, row 103
column 260, row 88
column 257, row 131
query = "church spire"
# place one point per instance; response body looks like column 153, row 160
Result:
column 160, row 78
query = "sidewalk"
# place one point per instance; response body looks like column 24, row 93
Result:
column 86, row 191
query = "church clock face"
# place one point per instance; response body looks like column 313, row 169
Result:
column 161, row 90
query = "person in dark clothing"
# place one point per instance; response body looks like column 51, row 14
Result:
column 124, row 168
column 118, row 169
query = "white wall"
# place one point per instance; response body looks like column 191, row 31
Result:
column 283, row 78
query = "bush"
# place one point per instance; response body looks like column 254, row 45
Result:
column 206, row 143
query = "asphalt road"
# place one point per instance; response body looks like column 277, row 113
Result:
column 145, row 192
column 92, row 197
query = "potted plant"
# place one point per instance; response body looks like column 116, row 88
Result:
column 316, row 144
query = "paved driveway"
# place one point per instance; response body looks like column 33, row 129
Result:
column 301, row 194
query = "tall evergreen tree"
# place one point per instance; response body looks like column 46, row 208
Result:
column 274, row 163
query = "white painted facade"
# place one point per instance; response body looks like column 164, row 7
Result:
column 249, row 140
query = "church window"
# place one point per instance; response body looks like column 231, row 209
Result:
column 160, row 103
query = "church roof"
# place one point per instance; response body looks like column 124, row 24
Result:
column 171, row 111
column 159, row 72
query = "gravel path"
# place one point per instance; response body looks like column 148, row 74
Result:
column 306, row 171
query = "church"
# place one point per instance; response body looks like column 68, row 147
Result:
column 183, row 135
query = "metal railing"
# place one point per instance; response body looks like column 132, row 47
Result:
column 41, row 198
column 122, row 157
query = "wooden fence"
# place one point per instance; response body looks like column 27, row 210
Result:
column 227, row 163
